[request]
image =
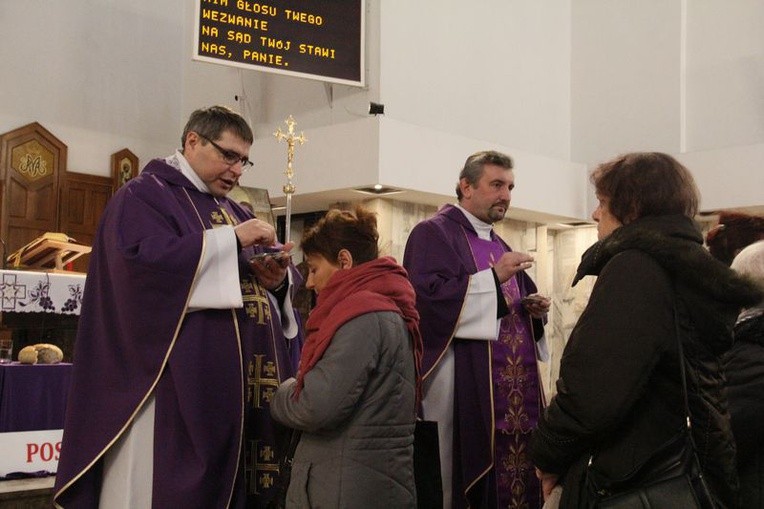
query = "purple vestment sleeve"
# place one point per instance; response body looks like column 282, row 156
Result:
column 437, row 258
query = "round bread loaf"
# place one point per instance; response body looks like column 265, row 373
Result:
column 42, row 353
column 28, row 355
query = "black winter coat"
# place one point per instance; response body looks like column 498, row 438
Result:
column 619, row 395
column 744, row 365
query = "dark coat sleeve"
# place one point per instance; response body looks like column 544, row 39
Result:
column 613, row 349
column 744, row 365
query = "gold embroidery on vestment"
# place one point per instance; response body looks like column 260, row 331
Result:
column 260, row 469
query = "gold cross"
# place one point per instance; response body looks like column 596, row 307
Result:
column 266, row 480
column 261, row 381
column 259, row 475
column 266, row 453
column 256, row 304
column 291, row 139
column 217, row 218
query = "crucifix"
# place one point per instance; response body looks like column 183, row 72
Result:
column 289, row 188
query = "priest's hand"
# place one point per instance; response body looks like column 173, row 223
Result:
column 271, row 271
column 536, row 305
column 255, row 232
column 510, row 264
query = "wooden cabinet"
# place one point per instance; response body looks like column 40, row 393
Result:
column 82, row 200
column 38, row 195
column 32, row 163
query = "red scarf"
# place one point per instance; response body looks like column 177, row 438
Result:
column 378, row 285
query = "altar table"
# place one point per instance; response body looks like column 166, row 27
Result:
column 32, row 407
column 26, row 291
column 33, row 397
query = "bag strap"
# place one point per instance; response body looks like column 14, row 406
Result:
column 680, row 350
column 683, row 374
column 701, row 488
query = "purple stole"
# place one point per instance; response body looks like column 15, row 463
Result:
column 515, row 392
column 266, row 363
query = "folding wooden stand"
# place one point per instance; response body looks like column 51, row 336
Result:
column 51, row 252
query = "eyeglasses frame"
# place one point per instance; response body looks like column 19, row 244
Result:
column 230, row 157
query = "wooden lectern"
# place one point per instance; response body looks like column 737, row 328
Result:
column 51, row 252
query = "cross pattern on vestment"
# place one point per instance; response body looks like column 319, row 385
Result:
column 260, row 474
column 261, row 381
column 256, row 303
column 11, row 292
column 216, row 217
column 266, row 453
column 221, row 217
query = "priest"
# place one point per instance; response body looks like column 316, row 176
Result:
column 481, row 319
column 184, row 335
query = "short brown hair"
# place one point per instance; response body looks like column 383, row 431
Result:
column 212, row 121
column 343, row 229
column 643, row 184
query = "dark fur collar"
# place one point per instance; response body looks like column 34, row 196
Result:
column 675, row 242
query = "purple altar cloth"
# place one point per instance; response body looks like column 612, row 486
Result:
column 33, row 397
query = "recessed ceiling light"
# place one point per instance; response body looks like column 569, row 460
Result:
column 378, row 189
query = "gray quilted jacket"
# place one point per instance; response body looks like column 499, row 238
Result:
column 357, row 413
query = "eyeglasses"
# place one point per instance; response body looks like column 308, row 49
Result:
column 229, row 156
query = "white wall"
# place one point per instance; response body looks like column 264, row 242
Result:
column 496, row 70
column 460, row 77
column 724, row 135
column 681, row 76
column 100, row 75
column 429, row 160
column 728, row 178
column 725, row 74
column 625, row 77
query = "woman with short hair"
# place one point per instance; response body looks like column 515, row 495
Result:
column 619, row 395
column 354, row 398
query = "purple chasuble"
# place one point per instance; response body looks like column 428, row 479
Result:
column 440, row 262
column 515, row 392
column 212, row 371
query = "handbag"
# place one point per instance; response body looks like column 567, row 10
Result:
column 285, row 472
column 429, row 485
column 672, row 477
